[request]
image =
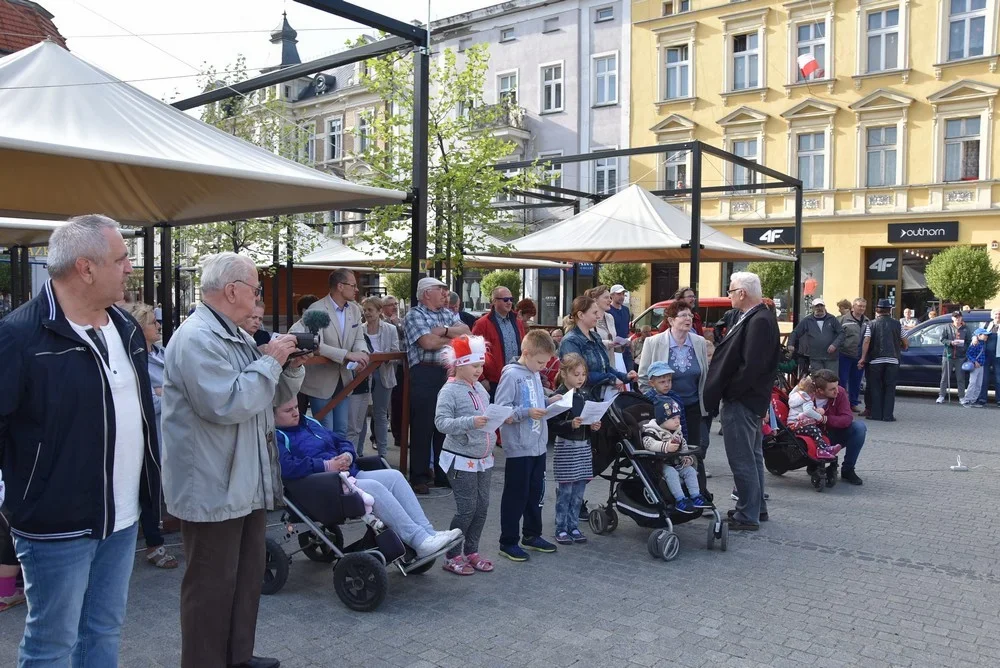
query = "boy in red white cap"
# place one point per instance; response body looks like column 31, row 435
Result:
column 467, row 453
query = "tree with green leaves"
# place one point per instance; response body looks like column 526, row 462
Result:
column 963, row 275
column 508, row 278
column 775, row 277
column 258, row 118
column 462, row 184
column 398, row 285
column 630, row 276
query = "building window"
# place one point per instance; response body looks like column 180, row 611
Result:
column 552, row 171
column 961, row 149
column 506, row 34
column 364, row 131
column 745, row 148
column 606, row 79
column 464, row 44
column 335, row 132
column 678, row 72
column 672, row 7
column 606, row 176
column 966, row 29
column 465, row 108
column 881, row 156
column 883, row 40
column 550, row 24
column 507, row 88
column 306, row 135
column 604, row 14
column 676, row 170
column 811, row 40
column 745, row 61
column 811, row 152
column 552, row 88
column 334, row 220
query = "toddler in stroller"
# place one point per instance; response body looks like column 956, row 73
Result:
column 804, row 417
column 663, row 434
column 786, row 450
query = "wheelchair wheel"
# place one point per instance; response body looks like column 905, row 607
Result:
column 317, row 550
column 275, row 568
column 360, row 581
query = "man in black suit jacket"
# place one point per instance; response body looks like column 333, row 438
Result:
column 741, row 376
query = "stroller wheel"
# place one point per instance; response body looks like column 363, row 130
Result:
column 317, row 550
column 653, row 543
column 612, row 517
column 360, row 581
column 817, row 480
column 670, row 545
column 275, row 568
column 598, row 521
column 724, row 537
column 831, row 474
column 711, row 534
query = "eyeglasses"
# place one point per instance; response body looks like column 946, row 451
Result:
column 732, row 290
column 685, row 314
column 504, row 299
column 350, row 285
column 257, row 291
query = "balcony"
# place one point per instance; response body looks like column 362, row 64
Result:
column 504, row 119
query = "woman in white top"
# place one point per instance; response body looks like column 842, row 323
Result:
column 381, row 337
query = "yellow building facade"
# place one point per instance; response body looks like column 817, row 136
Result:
column 894, row 133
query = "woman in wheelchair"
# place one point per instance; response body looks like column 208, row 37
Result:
column 306, row 448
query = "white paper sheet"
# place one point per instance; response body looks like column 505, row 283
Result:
column 621, row 341
column 495, row 416
column 593, row 411
column 560, row 406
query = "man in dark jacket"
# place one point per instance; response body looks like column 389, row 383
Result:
column 741, row 376
column 822, row 335
column 881, row 351
column 79, row 448
column 955, row 338
column 503, row 332
column 455, row 304
column 855, row 324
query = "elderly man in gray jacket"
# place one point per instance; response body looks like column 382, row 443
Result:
column 821, row 335
column 220, row 466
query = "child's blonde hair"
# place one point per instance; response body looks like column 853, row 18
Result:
column 571, row 362
column 807, row 384
column 537, row 342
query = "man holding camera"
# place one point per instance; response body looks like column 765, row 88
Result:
column 341, row 342
column 220, row 465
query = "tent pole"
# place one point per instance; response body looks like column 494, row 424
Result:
column 593, row 277
column 289, row 286
column 166, row 278
column 275, row 269
column 177, row 283
column 696, row 158
column 16, row 299
column 25, row 274
column 572, row 288
column 149, row 266
column 421, row 116
column 797, row 282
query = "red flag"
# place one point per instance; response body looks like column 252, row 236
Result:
column 807, row 64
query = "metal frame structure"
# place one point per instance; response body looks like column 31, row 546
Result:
column 698, row 150
column 403, row 36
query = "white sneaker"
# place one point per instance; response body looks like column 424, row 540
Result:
column 452, row 534
column 432, row 544
column 940, row 400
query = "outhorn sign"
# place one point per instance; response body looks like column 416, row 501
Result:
column 901, row 233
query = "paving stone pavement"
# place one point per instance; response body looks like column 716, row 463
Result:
column 899, row 572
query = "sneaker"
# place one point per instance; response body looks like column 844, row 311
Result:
column 708, row 474
column 940, row 400
column 578, row 536
column 538, row 544
column 564, row 538
column 433, row 544
column 976, row 405
column 513, row 552
column 700, row 502
column 584, row 511
column 684, row 505
column 8, row 602
column 858, row 409
column 736, row 497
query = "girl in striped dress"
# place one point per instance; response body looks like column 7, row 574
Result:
column 572, row 461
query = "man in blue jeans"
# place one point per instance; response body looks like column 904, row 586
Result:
column 841, row 426
column 80, row 453
column 992, row 367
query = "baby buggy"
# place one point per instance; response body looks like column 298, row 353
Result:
column 316, row 506
column 785, row 450
column 637, row 487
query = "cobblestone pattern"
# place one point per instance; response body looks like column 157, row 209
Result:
column 900, row 572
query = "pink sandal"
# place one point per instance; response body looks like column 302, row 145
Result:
column 479, row 563
column 458, row 566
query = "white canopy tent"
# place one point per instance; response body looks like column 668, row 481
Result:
column 26, row 232
column 74, row 139
column 633, row 226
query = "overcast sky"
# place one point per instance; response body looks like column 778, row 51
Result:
column 166, row 65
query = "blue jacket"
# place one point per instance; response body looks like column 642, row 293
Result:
column 660, row 399
column 977, row 352
column 57, row 424
column 593, row 352
column 303, row 449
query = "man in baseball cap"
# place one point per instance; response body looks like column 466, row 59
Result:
column 623, row 318
column 822, row 336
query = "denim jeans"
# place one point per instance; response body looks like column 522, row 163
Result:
column 357, row 420
column 673, row 479
column 381, row 398
column 77, row 590
column 569, row 498
column 523, row 491
column 991, row 371
column 396, row 505
column 850, row 378
column 852, row 438
column 335, row 420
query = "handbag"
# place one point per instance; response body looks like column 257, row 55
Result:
column 968, row 366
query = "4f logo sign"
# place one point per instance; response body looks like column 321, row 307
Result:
column 882, row 265
column 771, row 236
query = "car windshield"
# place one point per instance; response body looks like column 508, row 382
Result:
column 653, row 317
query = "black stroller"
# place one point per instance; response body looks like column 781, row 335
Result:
column 359, row 573
column 637, row 487
column 786, row 451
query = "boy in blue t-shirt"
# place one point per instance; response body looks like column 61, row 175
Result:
column 661, row 379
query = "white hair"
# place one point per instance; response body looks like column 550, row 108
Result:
column 749, row 281
column 82, row 236
column 221, row 269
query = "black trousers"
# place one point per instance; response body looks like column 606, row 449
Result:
column 426, row 380
column 882, row 381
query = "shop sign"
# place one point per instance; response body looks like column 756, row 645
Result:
column 883, row 264
column 769, row 236
column 901, row 233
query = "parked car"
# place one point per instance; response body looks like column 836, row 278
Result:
column 920, row 365
column 710, row 308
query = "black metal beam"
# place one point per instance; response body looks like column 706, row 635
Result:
column 16, row 298
column 408, row 31
column 166, row 280
column 797, row 283
column 522, row 207
column 748, row 187
column 289, row 268
column 572, row 193
column 373, row 50
column 275, row 271
column 550, row 198
column 149, row 268
column 419, row 195
column 695, row 241
column 748, row 164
